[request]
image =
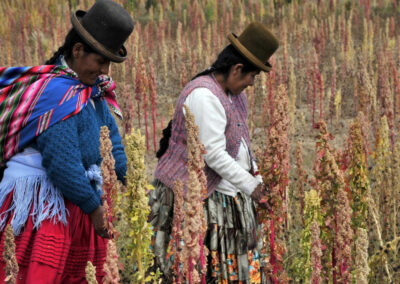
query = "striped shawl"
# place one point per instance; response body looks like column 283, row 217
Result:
column 34, row 98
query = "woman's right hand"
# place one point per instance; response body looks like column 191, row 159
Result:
column 99, row 222
column 259, row 196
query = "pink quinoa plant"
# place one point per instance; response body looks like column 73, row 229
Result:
column 333, row 90
column 127, row 106
column 274, row 169
column 110, row 181
column 140, row 86
column 344, row 236
column 177, row 234
column 329, row 181
column 195, row 226
column 111, row 264
column 301, row 180
column 316, row 253
column 153, row 102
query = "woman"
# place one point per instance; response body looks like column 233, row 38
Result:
column 51, row 190
column 215, row 97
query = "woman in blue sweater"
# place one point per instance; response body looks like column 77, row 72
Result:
column 50, row 120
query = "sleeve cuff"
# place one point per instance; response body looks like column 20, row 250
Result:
column 249, row 185
column 121, row 173
column 91, row 203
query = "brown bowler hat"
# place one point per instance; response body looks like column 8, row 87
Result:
column 105, row 27
column 257, row 44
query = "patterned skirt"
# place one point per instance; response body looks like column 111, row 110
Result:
column 231, row 237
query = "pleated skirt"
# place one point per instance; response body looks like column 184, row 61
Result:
column 56, row 253
column 231, row 237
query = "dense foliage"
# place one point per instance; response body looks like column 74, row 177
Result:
column 338, row 62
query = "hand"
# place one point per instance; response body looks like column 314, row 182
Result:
column 99, row 222
column 259, row 196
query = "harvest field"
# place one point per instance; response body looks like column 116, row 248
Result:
column 324, row 122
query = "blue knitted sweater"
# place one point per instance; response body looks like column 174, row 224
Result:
column 70, row 146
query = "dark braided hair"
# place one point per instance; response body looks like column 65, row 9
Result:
column 164, row 140
column 66, row 49
column 226, row 59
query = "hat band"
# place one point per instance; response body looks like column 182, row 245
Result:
column 94, row 43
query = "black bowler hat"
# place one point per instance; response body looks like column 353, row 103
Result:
column 105, row 27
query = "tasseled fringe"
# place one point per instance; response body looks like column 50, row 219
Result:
column 94, row 174
column 28, row 191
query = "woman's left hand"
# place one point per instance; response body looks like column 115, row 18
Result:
column 99, row 222
column 259, row 196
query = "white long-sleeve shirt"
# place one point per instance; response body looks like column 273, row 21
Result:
column 211, row 119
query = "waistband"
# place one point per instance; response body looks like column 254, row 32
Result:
column 33, row 193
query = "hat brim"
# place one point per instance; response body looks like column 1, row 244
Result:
column 246, row 53
column 89, row 39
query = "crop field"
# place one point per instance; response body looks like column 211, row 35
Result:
column 324, row 124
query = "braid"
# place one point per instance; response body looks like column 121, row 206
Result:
column 164, row 141
column 56, row 54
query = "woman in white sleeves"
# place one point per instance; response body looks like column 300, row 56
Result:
column 215, row 97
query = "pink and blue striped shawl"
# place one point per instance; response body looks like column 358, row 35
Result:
column 34, row 98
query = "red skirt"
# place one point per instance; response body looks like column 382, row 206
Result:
column 56, row 253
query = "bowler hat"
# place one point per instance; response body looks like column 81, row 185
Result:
column 105, row 27
column 256, row 44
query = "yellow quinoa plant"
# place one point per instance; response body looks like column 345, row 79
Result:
column 302, row 267
column 90, row 271
column 382, row 177
column 361, row 267
column 136, row 232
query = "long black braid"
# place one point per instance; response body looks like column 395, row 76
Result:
column 56, row 54
column 225, row 60
column 66, row 49
column 164, row 141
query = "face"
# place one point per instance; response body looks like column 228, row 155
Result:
column 88, row 66
column 238, row 81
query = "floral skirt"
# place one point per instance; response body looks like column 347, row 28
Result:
column 56, row 253
column 231, row 236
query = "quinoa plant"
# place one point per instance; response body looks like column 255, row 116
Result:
column 307, row 265
column 195, row 226
column 274, row 169
column 90, row 271
column 11, row 268
column 357, row 176
column 135, row 239
column 330, row 183
column 381, row 172
column 361, row 267
column 110, row 191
